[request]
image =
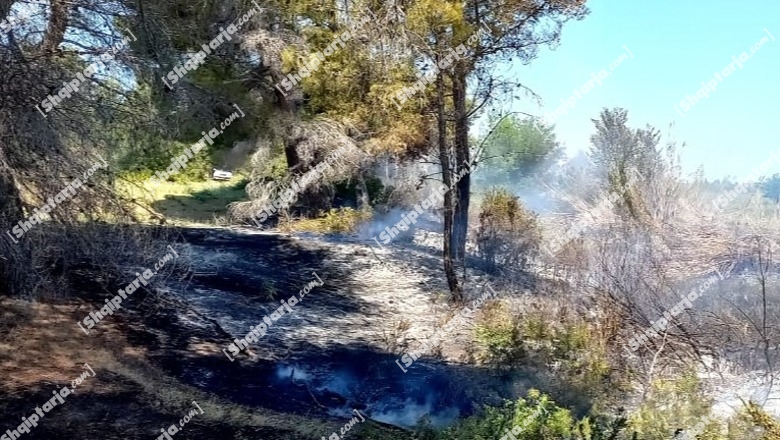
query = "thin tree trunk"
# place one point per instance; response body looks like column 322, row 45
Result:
column 58, row 23
column 288, row 108
column 446, row 173
column 291, row 154
column 462, row 161
column 5, row 8
column 10, row 214
column 363, row 200
column 10, row 197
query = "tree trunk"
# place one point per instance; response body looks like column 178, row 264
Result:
column 58, row 23
column 5, row 8
column 288, row 108
column 446, row 174
column 462, row 162
column 363, row 200
column 10, row 197
column 10, row 213
column 291, row 153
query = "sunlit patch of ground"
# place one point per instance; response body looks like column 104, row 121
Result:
column 43, row 341
column 186, row 203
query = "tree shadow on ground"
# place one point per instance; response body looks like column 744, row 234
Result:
column 318, row 378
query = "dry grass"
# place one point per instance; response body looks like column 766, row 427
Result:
column 43, row 342
column 343, row 220
column 184, row 203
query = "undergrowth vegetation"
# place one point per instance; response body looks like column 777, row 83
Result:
column 535, row 417
column 598, row 332
column 508, row 235
column 336, row 220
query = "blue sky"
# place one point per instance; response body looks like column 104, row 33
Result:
column 676, row 45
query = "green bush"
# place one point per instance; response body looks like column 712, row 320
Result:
column 536, row 417
column 672, row 405
column 141, row 167
column 537, row 338
column 275, row 168
column 508, row 234
column 754, row 421
column 678, row 405
column 498, row 334
column 334, row 220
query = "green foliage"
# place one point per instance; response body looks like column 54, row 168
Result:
column 499, row 335
column 619, row 151
column 344, row 219
column 352, row 85
column 348, row 190
column 385, row 197
column 771, row 188
column 516, row 149
column 579, row 353
column 536, row 417
column 508, row 234
column 616, row 147
column 158, row 158
column 275, row 168
column 672, row 405
column 335, row 220
column 224, row 193
column 655, row 419
column 184, row 202
column 141, row 151
column 768, row 424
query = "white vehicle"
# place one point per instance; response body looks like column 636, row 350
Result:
column 221, row 174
